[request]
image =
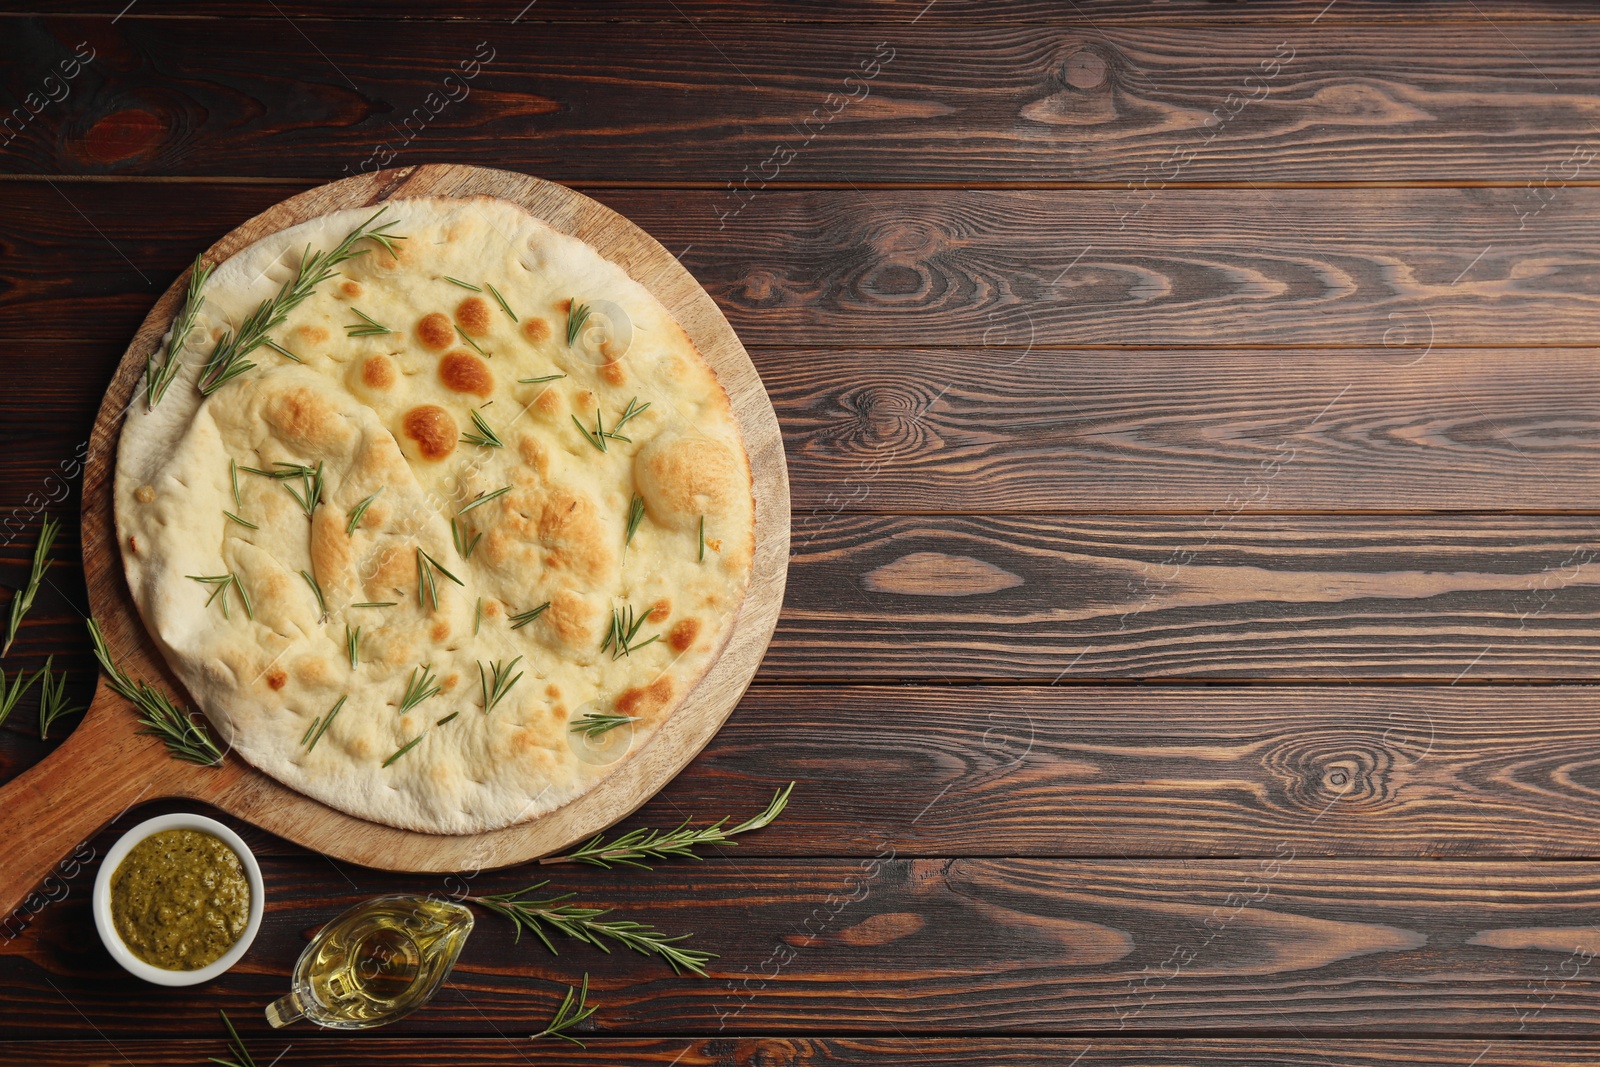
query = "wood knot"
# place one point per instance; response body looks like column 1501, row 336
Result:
column 1320, row 773
column 1085, row 69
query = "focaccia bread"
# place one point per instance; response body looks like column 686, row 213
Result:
column 498, row 470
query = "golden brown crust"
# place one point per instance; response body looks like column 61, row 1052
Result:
column 435, row 331
column 464, row 372
column 473, row 315
column 433, row 429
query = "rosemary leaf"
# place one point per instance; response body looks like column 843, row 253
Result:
column 473, row 343
column 624, row 628
column 241, row 1055
column 327, row 721
column 10, row 695
column 233, row 476
column 596, row 723
column 702, row 557
column 158, row 379
column 484, row 499
column 184, row 735
column 577, row 315
column 635, row 516
column 242, row 522
column 570, row 1014
column 485, row 434
column 496, row 687
column 534, row 915
column 407, row 747
column 355, row 515
column 352, row 644
column 276, row 347
column 636, row 846
column 227, row 360
column 447, row 718
column 536, row 381
column 22, row 599
column 52, row 698
column 477, row 617
column 464, row 285
column 458, row 534
column 502, row 301
column 419, row 689
column 522, row 619
column 633, row 409
column 376, row 604
column 367, row 327
column 311, row 728
column 427, row 567
column 316, row 591
column 597, row 439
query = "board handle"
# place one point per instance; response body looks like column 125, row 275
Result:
column 49, row 812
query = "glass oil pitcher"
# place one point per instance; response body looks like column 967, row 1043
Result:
column 376, row 963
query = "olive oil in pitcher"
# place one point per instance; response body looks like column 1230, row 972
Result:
column 376, row 963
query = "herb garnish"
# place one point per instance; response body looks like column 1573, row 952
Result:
column 241, row 1055
column 495, row 689
column 367, row 327
column 596, row 723
column 9, row 697
column 52, row 698
column 624, row 627
column 573, row 920
column 352, row 644
column 502, row 302
column 427, row 588
column 536, row 381
column 598, row 438
column 635, row 516
column 185, row 737
column 242, row 522
column 464, row 285
column 458, row 534
column 326, row 721
column 310, row 494
column 522, row 619
column 158, row 379
column 473, row 343
column 316, row 591
column 570, row 1014
column 702, row 556
column 376, row 604
column 227, row 360
column 484, row 499
column 221, row 583
column 22, row 599
column 358, row 512
column 636, row 846
column 477, row 617
column 407, row 747
column 577, row 315
column 276, row 347
column 485, row 435
column 233, row 476
column 633, row 409
column 419, row 689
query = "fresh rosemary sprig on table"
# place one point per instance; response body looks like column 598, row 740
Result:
column 241, row 1055
column 9, row 696
column 473, row 343
column 577, row 315
column 158, row 379
column 636, row 846
column 570, row 1014
column 185, row 737
column 624, row 628
column 523, row 618
column 427, row 585
column 316, row 591
column 367, row 327
column 22, row 599
column 52, row 698
column 227, row 360
column 356, row 514
column 496, row 682
column 220, row 584
column 319, row 725
column 502, row 302
column 419, row 689
column 485, row 434
column 595, row 723
column 533, row 914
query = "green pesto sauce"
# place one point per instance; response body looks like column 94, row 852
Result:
column 180, row 899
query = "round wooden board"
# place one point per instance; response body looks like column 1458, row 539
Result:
column 107, row 764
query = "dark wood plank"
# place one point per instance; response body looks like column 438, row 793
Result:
column 1072, row 101
column 959, row 13
column 1286, row 946
column 1018, row 271
column 336, row 1050
column 1087, row 431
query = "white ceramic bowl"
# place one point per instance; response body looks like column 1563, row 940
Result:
column 102, row 899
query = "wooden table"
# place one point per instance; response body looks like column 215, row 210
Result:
column 1196, row 551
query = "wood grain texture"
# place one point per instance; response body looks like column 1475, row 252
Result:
column 1074, row 100
column 143, row 768
column 1286, row 946
column 1391, row 269
column 964, row 1051
column 1070, row 431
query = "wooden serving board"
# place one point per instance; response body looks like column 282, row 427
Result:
column 107, row 765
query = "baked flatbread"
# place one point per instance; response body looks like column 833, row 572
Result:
column 532, row 583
